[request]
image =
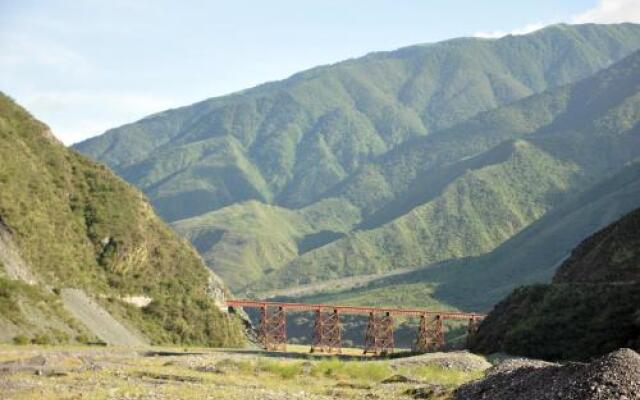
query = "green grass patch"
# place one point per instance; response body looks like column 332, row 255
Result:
column 357, row 370
column 285, row 370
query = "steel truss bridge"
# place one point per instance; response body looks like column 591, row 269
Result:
column 327, row 330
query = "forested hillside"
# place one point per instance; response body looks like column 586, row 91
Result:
column 575, row 135
column 68, row 223
column 531, row 256
column 591, row 308
column 398, row 159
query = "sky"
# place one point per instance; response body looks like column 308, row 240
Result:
column 84, row 66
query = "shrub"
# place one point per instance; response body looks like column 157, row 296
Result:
column 42, row 338
column 21, row 340
column 84, row 339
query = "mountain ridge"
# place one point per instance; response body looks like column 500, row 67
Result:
column 350, row 90
column 339, row 133
column 585, row 154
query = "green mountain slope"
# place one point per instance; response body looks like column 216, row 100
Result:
column 67, row 222
column 531, row 256
column 510, row 189
column 242, row 242
column 402, row 141
column 468, row 207
column 290, row 142
column 591, row 308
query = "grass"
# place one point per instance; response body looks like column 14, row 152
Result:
column 285, row 370
column 206, row 374
column 370, row 371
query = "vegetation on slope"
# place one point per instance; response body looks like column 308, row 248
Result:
column 404, row 137
column 590, row 309
column 469, row 206
column 242, row 242
column 470, row 217
column 290, row 142
column 77, row 225
column 611, row 255
column 21, row 309
column 531, row 256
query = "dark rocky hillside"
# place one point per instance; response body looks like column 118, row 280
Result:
column 611, row 255
column 592, row 306
column 614, row 376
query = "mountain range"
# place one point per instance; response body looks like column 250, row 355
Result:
column 448, row 159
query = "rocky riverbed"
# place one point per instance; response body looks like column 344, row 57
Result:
column 31, row 372
column 43, row 373
column 613, row 376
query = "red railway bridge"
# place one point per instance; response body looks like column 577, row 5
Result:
column 327, row 330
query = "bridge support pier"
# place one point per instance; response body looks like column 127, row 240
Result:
column 472, row 329
column 430, row 335
column 378, row 337
column 272, row 332
column 327, row 333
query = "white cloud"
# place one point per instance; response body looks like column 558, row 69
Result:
column 519, row 31
column 610, row 11
column 93, row 112
column 606, row 12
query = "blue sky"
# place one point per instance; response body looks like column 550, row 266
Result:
column 86, row 66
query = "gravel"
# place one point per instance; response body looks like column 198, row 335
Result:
column 613, row 376
column 460, row 360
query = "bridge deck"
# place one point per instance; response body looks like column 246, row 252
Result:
column 450, row 315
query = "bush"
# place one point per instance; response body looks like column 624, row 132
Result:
column 84, row 339
column 42, row 338
column 20, row 340
column 58, row 336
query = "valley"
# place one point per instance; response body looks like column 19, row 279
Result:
column 387, row 170
column 450, row 220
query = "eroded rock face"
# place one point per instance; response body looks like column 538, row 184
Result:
column 14, row 265
column 613, row 376
column 139, row 301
